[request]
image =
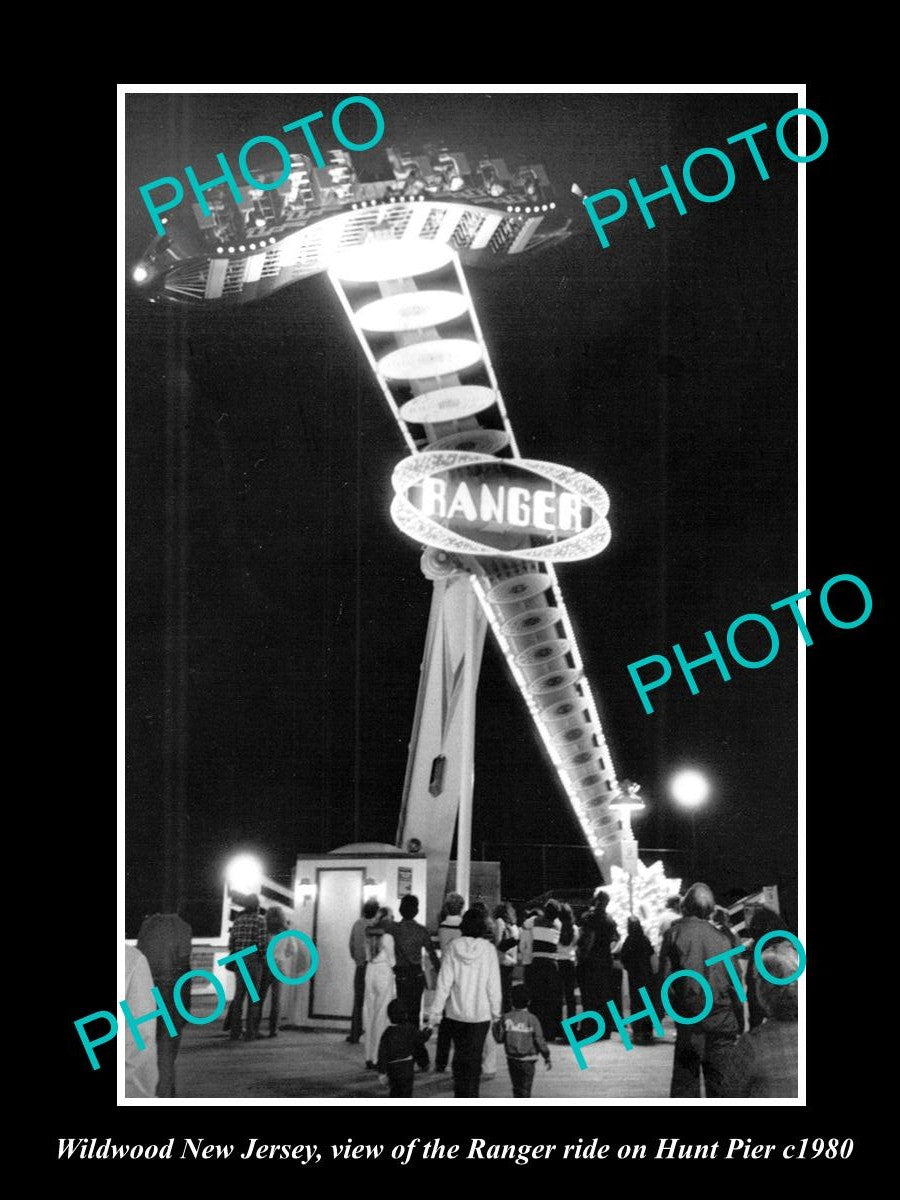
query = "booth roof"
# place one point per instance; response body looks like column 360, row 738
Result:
column 379, row 849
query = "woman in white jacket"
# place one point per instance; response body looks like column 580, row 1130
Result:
column 380, row 986
column 469, row 986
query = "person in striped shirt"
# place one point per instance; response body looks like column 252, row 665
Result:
column 541, row 975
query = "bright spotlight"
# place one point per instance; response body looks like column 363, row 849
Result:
column 140, row 274
column 244, row 875
column 690, row 788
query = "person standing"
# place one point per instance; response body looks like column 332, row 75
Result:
column 489, row 1056
column 401, row 1050
column 249, row 929
column 542, row 976
column 380, row 989
column 722, row 921
column 579, row 952
column 275, row 924
column 165, row 941
column 411, row 941
column 449, row 922
column 523, row 1039
column 526, row 941
column 506, row 933
column 469, row 985
column 450, row 919
column 565, row 957
column 141, row 1072
column 701, row 1049
column 292, row 959
column 763, row 1063
column 599, row 936
column 637, row 959
column 358, row 954
column 668, row 917
column 762, row 920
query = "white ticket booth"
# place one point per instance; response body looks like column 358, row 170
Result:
column 329, row 892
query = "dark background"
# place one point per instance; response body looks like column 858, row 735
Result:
column 276, row 618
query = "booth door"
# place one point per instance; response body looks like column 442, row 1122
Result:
column 339, row 896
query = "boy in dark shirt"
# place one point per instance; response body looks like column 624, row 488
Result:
column 521, row 1033
column 402, row 1045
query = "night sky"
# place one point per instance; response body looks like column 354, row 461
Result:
column 275, row 616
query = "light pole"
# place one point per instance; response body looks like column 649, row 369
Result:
column 690, row 789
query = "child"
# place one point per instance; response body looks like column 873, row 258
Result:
column 520, row 1031
column 402, row 1044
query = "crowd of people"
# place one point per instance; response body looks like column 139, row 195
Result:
column 568, row 966
column 500, row 985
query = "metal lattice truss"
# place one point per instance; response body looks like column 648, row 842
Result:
column 444, row 395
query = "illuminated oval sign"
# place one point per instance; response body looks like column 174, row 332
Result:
column 470, row 503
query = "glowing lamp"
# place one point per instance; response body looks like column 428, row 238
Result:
column 244, row 875
column 690, row 788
